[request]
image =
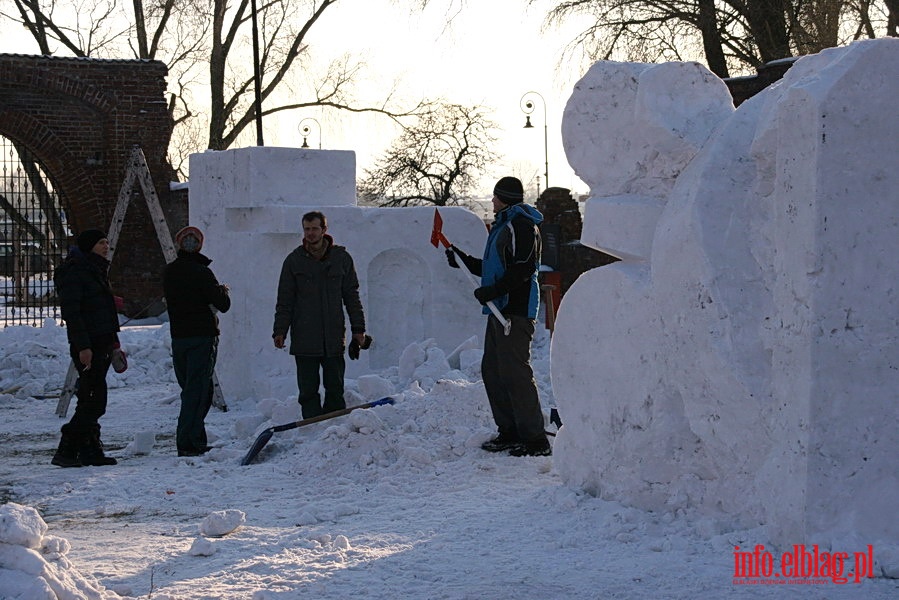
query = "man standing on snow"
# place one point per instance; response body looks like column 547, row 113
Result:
column 89, row 309
column 509, row 278
column 317, row 281
column 193, row 296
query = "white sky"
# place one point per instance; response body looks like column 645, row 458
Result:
column 491, row 54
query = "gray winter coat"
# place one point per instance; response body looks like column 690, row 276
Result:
column 311, row 296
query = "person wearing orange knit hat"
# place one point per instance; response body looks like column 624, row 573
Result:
column 193, row 296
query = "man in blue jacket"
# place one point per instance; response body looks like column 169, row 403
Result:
column 509, row 278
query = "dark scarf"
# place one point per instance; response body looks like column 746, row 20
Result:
column 327, row 242
column 195, row 257
column 101, row 265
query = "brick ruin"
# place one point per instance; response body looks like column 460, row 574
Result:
column 80, row 118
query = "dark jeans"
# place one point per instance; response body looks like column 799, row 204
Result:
column 194, row 362
column 333, row 368
column 509, row 379
column 91, row 389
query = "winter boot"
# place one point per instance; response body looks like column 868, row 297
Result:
column 67, row 453
column 536, row 448
column 501, row 443
column 91, row 453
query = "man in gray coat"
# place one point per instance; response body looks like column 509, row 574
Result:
column 317, row 281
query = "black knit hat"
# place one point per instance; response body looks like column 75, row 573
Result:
column 509, row 190
column 88, row 238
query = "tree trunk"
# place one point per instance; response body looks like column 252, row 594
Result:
column 140, row 29
column 711, row 39
column 767, row 18
column 217, row 60
column 893, row 17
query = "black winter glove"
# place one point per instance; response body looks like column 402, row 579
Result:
column 486, row 293
column 354, row 348
column 451, row 258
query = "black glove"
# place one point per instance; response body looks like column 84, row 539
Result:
column 451, row 258
column 355, row 347
column 486, row 293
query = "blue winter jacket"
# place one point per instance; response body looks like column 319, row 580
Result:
column 512, row 259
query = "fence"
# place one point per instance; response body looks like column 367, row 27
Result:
column 33, row 238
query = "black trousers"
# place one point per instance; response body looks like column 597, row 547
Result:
column 91, row 389
column 194, row 361
column 509, row 379
column 308, row 380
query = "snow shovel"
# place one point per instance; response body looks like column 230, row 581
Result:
column 266, row 435
column 437, row 238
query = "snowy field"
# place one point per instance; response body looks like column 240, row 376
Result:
column 390, row 502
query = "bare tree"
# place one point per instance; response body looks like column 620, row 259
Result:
column 732, row 35
column 84, row 27
column 439, row 160
column 282, row 48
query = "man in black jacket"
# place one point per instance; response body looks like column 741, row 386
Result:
column 92, row 324
column 318, row 279
column 193, row 296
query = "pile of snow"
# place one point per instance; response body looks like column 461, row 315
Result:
column 34, row 565
column 35, row 360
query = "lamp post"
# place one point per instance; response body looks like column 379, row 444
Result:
column 305, row 130
column 257, row 75
column 527, row 107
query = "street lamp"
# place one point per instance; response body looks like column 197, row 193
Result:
column 527, row 107
column 257, row 75
column 305, row 131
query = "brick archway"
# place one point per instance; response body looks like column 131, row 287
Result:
column 81, row 117
column 71, row 179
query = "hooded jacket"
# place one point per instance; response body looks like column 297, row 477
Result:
column 192, row 294
column 85, row 299
column 312, row 294
column 512, row 259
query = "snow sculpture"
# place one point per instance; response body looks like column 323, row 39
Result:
column 249, row 203
column 743, row 358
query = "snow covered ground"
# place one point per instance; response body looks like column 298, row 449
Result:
column 390, row 502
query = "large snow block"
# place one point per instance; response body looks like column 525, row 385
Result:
column 269, row 176
column 839, row 219
column 749, row 371
column 408, row 291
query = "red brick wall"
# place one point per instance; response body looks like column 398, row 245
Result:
column 558, row 206
column 80, row 118
column 744, row 88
